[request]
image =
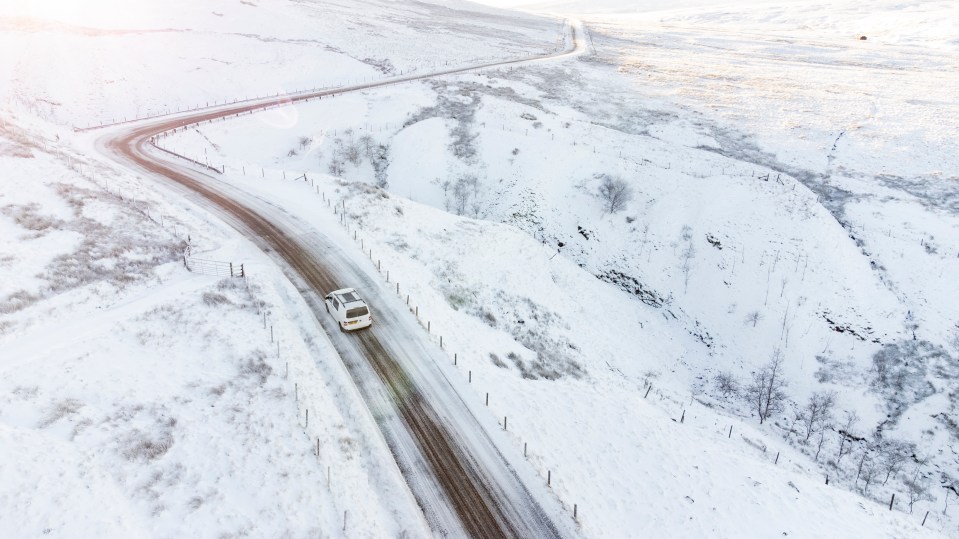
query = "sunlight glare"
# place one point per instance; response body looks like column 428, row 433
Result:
column 93, row 13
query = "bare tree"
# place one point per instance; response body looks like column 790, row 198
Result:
column 688, row 255
column 367, row 144
column 727, row 384
column 818, row 411
column 869, row 472
column 918, row 490
column 462, row 191
column 822, row 438
column 767, row 392
column 336, row 167
column 894, row 455
column 615, row 193
column 304, row 142
column 351, row 152
column 753, row 318
column 849, row 424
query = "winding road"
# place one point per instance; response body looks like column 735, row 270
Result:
column 461, row 480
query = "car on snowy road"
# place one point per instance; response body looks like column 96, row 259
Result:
column 348, row 309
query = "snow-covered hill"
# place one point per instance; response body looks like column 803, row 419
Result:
column 791, row 191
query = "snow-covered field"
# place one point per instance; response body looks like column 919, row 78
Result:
column 794, row 190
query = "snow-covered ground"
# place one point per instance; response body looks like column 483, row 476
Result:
column 794, row 189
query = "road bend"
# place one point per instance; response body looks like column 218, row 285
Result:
column 461, row 480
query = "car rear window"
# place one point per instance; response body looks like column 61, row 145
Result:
column 357, row 312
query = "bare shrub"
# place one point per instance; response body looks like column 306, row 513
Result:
column 347, row 446
column 141, row 446
column 351, row 153
column 59, row 411
column 336, row 167
column 256, row 367
column 463, row 144
column 533, row 329
column 727, row 384
column 488, row 317
column 893, row 455
column 818, row 412
column 614, row 192
column 120, row 252
column 18, row 301
column 379, row 156
column 28, row 216
column 214, row 299
column 16, row 142
column 546, row 366
column 753, row 318
column 497, row 361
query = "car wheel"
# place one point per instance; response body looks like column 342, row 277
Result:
column 342, row 329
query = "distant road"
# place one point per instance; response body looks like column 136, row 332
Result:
column 461, row 480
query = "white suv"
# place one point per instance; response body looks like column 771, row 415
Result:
column 348, row 309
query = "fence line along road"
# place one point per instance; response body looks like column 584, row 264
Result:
column 456, row 471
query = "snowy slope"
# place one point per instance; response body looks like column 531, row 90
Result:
column 834, row 240
column 206, row 52
column 139, row 399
